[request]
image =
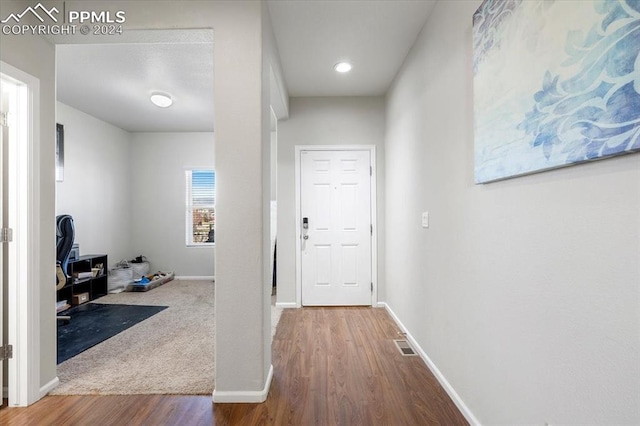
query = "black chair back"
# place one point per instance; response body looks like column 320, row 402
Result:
column 65, row 233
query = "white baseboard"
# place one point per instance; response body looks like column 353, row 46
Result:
column 244, row 396
column 287, row 305
column 466, row 412
column 195, row 278
column 44, row 390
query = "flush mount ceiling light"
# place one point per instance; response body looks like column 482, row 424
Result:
column 342, row 67
column 161, row 100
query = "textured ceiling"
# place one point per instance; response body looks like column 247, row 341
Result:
column 113, row 82
column 313, row 35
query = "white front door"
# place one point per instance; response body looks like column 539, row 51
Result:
column 335, row 207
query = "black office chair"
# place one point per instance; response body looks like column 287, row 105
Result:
column 65, row 235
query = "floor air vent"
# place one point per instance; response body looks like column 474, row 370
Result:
column 405, row 348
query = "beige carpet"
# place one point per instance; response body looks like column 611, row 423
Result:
column 169, row 353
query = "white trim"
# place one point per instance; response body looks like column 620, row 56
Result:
column 374, row 208
column 24, row 255
column 297, row 178
column 287, row 305
column 374, row 223
column 44, row 390
column 466, row 412
column 278, row 101
column 244, row 396
column 195, row 278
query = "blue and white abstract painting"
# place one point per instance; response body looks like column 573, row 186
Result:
column 555, row 83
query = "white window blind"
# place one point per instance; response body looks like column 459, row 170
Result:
column 200, row 207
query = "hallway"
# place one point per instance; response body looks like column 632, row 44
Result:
column 331, row 366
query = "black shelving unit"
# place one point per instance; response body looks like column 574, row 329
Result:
column 95, row 286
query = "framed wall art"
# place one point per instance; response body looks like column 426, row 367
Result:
column 556, row 83
column 59, row 152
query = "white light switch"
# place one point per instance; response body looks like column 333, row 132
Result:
column 425, row 219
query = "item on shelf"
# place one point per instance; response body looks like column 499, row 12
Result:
column 80, row 298
column 62, row 305
column 82, row 275
column 89, row 280
column 100, row 267
column 75, row 252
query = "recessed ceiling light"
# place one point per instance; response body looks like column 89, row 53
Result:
column 161, row 100
column 342, row 67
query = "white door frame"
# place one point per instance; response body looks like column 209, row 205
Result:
column 374, row 218
column 24, row 256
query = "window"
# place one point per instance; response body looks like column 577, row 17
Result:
column 201, row 201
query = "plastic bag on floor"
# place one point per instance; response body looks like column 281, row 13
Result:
column 119, row 278
column 140, row 270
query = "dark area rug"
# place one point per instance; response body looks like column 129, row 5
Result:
column 93, row 323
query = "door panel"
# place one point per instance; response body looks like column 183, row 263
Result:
column 336, row 247
column 5, row 88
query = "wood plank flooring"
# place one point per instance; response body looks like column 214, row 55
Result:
column 332, row 366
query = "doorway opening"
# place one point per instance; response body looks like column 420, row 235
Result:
column 20, row 192
column 127, row 185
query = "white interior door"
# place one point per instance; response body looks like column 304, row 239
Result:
column 335, row 206
column 4, row 136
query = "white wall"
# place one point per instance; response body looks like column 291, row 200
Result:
column 274, row 165
column 523, row 292
column 323, row 121
column 126, row 192
column 158, row 164
column 36, row 57
column 241, row 294
column 96, row 189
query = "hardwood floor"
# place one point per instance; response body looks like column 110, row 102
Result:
column 332, row 366
column 113, row 410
